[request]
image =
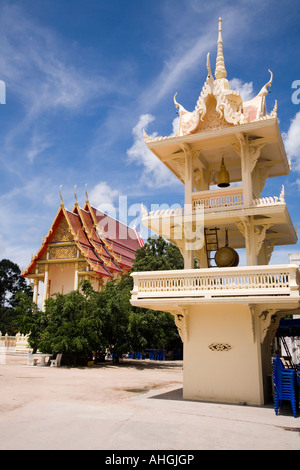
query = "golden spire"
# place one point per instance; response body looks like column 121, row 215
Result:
column 220, row 71
column 76, row 200
column 87, row 198
column 61, row 199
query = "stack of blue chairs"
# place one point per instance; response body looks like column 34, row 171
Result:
column 298, row 381
column 157, row 355
column 285, row 385
column 135, row 355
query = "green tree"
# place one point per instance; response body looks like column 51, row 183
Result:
column 84, row 321
column 158, row 255
column 11, row 283
column 116, row 309
column 149, row 328
column 71, row 324
column 31, row 321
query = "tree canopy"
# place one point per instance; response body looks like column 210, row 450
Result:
column 158, row 255
column 11, row 284
column 151, row 327
column 85, row 322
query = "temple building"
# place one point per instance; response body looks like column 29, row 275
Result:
column 227, row 315
column 81, row 244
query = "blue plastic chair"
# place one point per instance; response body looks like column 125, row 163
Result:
column 284, row 381
column 298, row 382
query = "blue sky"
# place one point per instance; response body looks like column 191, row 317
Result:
column 83, row 78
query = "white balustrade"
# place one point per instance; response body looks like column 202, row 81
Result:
column 14, row 343
column 219, row 282
column 219, row 198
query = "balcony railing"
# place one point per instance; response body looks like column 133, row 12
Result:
column 218, row 199
column 256, row 281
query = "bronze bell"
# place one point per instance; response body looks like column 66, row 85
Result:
column 223, row 176
column 226, row 257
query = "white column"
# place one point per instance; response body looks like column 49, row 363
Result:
column 35, row 291
column 247, row 228
column 76, row 277
column 246, row 177
column 45, row 287
column 250, row 240
column 188, row 208
column 242, row 148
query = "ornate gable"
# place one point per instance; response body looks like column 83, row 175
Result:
column 212, row 119
column 62, row 232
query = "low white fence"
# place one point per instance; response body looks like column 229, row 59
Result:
column 219, row 282
column 17, row 343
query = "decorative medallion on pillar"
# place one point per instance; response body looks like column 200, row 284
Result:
column 220, row 347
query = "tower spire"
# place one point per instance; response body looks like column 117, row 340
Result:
column 220, row 71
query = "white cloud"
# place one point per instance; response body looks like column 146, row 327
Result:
column 155, row 173
column 292, row 142
column 245, row 88
column 102, row 197
column 38, row 145
column 176, row 68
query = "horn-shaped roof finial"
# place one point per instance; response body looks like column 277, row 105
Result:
column 220, row 71
column 209, row 74
column 76, row 200
column 61, row 198
column 86, row 194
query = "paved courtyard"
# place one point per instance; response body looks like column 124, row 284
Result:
column 136, row 405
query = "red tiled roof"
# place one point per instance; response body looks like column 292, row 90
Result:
column 120, row 239
column 105, row 252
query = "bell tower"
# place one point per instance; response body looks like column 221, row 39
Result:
column 227, row 314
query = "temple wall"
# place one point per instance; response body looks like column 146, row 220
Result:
column 61, row 277
column 231, row 375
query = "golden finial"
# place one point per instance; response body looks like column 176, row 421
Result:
column 87, row 198
column 61, row 202
column 76, row 200
column 220, row 71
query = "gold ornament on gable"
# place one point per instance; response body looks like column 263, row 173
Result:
column 64, row 252
column 62, row 233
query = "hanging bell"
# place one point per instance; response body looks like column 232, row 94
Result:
column 223, row 176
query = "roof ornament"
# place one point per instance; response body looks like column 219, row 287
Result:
column 209, row 72
column 220, row 71
column 76, row 200
column 264, row 91
column 62, row 202
column 87, row 197
column 177, row 105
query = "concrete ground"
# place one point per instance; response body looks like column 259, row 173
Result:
column 136, row 405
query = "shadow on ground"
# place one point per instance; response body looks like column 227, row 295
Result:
column 141, row 364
